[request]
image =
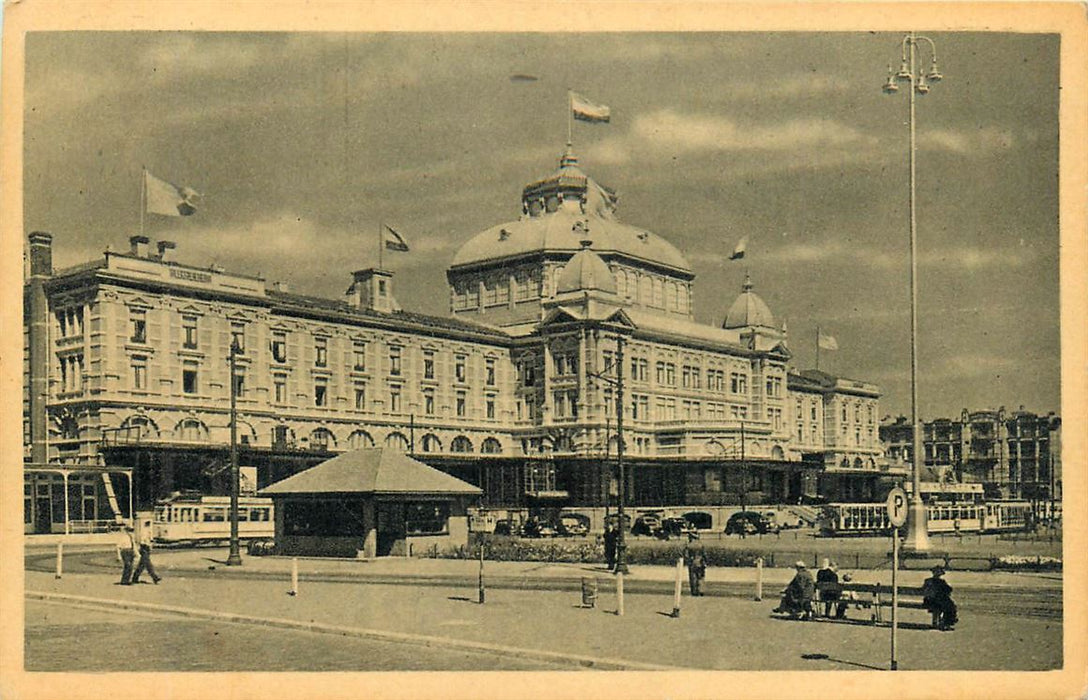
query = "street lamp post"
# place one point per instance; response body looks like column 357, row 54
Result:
column 917, row 539
column 621, row 539
column 235, row 557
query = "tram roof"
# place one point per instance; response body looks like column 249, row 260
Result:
column 374, row 470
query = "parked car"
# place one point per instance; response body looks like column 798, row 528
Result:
column 536, row 528
column 646, row 524
column 699, row 520
column 573, row 525
column 675, row 527
column 614, row 519
column 505, row 527
column 748, row 523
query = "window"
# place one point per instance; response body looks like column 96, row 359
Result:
column 321, row 392
column 528, row 374
column 715, row 380
column 608, row 360
column 461, row 404
column 559, row 400
column 459, row 371
column 489, row 369
column 279, row 346
column 279, row 386
column 660, row 373
column 238, row 336
column 609, row 400
column 394, row 399
column 640, row 369
column 428, row 402
column 489, row 404
column 775, row 414
column 738, row 383
column 139, row 326
column 560, row 364
column 321, row 352
column 360, row 397
column 239, row 381
column 394, row 361
column 572, row 364
column 188, row 330
column 670, row 374
column 774, row 387
column 426, row 518
column 844, row 413
column 428, row 364
column 813, row 411
column 738, row 412
column 189, row 377
column 358, row 354
column 139, row 372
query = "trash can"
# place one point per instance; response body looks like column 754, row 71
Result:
column 589, row 592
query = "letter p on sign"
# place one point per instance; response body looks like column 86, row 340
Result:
column 897, row 507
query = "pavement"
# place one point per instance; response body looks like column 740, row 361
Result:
column 534, row 611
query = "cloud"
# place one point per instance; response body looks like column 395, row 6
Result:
column 979, row 142
column 669, row 128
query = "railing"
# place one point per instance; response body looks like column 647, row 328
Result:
column 89, row 526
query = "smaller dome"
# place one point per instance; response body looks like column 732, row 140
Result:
column 748, row 310
column 586, row 271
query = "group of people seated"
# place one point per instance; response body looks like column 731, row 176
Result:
column 799, row 596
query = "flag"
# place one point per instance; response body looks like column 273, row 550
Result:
column 523, row 78
column 827, row 342
column 587, row 111
column 394, row 241
column 162, row 197
column 738, row 250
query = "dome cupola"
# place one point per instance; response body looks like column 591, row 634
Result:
column 749, row 310
column 586, row 272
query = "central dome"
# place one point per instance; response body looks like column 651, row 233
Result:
column 557, row 214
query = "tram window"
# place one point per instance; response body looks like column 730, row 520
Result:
column 214, row 515
column 243, row 515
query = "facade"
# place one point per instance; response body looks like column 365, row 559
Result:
column 1014, row 454
column 551, row 317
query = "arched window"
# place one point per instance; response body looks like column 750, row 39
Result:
column 397, row 441
column 360, row 439
column 563, row 444
column 491, row 446
column 645, row 290
column 858, row 464
column 461, row 444
column 670, row 296
column 777, row 453
column 191, row 430
column 431, row 443
column 140, row 427
column 322, row 439
column 713, row 447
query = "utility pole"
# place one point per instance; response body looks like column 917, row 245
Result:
column 621, row 540
column 235, row 557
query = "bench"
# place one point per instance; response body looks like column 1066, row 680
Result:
column 875, row 597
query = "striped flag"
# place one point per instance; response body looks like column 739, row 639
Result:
column 394, row 241
column 167, row 199
column 588, row 111
column 738, row 250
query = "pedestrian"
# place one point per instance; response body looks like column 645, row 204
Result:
column 695, row 560
column 827, row 582
column 145, row 538
column 797, row 597
column 126, row 552
column 610, row 537
column 937, row 597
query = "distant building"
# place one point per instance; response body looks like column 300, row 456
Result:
column 1013, row 454
column 515, row 391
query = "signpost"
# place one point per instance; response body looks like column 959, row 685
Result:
column 897, row 516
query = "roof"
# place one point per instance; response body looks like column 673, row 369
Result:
column 749, row 310
column 375, row 470
column 586, row 271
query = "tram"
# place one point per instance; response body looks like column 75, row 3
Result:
column 197, row 519
column 872, row 518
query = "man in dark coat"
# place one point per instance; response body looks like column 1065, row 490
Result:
column 610, row 537
column 695, row 560
column 827, row 581
column 937, row 597
column 797, row 598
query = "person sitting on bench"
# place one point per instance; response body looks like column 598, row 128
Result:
column 937, row 597
column 827, row 580
column 797, row 598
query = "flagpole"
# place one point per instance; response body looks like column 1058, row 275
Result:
column 817, row 347
column 143, row 196
column 380, row 224
column 570, row 118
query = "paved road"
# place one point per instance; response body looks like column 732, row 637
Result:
column 63, row 637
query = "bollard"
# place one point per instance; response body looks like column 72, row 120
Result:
column 294, row 576
column 676, row 592
column 759, row 579
column 589, row 592
column 60, row 559
column 480, row 580
column 619, row 593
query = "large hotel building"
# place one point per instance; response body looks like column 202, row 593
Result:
column 128, row 382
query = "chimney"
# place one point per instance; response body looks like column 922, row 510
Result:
column 41, row 267
column 138, row 245
column 166, row 250
column 281, row 287
column 372, row 290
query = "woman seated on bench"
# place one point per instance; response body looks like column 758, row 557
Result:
column 797, row 598
column 937, row 597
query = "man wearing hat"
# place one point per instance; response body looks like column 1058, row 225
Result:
column 126, row 552
column 797, row 598
column 937, row 597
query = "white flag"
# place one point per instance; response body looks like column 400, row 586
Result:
column 827, row 342
column 162, row 197
column 738, row 251
column 588, row 111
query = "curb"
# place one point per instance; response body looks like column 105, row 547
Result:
column 588, row 662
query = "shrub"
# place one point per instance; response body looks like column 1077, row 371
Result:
column 1017, row 562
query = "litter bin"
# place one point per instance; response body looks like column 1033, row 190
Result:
column 589, row 592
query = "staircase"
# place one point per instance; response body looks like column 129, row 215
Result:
column 111, row 495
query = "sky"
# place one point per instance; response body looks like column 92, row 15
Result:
column 302, row 145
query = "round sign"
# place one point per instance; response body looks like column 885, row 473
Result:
column 897, row 507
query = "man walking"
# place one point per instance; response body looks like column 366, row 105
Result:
column 145, row 555
column 695, row 559
column 126, row 552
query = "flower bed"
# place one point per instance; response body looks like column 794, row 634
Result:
column 1016, row 562
column 579, row 551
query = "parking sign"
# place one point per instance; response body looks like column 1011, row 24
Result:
column 897, row 507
